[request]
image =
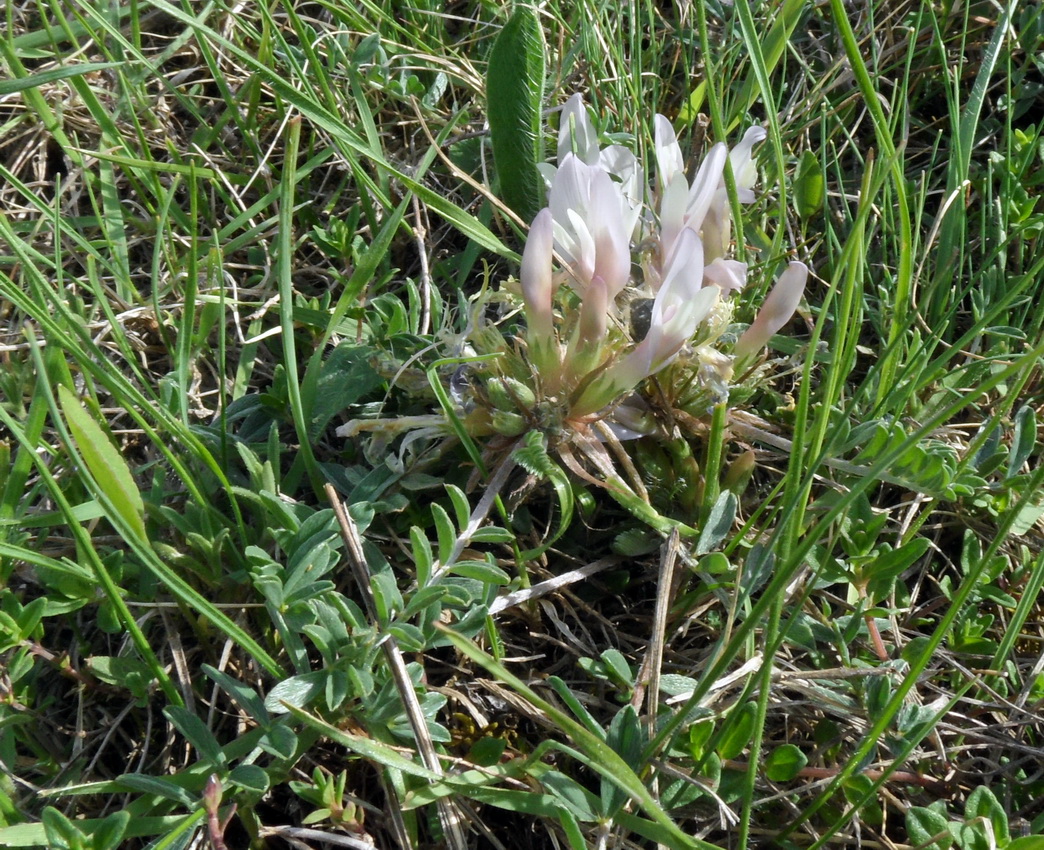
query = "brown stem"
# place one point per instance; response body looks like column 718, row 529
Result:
column 875, row 637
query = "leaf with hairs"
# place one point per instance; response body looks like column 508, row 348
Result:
column 514, row 97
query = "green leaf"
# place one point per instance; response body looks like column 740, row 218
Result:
column 446, row 534
column 480, row 570
column 422, row 554
column 461, row 507
column 246, row 697
column 197, row 734
column 487, row 751
column 971, row 836
column 1024, row 439
column 882, row 572
column 808, row 185
column 47, row 78
column 62, row 833
column 719, row 522
column 596, row 753
column 784, row 763
column 739, row 730
column 105, row 464
column 109, row 833
column 344, row 378
column 296, row 691
column 532, row 456
column 626, row 738
column 250, row 777
column 130, row 673
column 577, row 799
column 925, row 824
column 617, row 667
column 280, row 741
column 514, row 99
column 159, row 786
column 982, row 803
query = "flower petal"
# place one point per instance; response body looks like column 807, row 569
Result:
column 535, row 275
column 611, row 234
column 669, row 159
column 683, row 271
column 779, row 306
column 744, row 168
column 576, row 134
column 704, row 186
column 672, row 215
column 729, row 275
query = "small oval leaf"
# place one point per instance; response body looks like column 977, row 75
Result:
column 784, row 763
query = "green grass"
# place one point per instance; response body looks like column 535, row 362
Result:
column 226, row 233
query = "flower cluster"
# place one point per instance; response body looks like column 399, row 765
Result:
column 616, row 241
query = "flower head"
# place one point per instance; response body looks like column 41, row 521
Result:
column 597, row 210
column 680, row 305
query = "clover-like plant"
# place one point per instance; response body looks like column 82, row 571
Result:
column 619, row 282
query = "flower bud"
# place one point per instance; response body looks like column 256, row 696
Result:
column 508, row 424
column 509, row 394
column 538, row 290
column 739, row 473
column 779, row 306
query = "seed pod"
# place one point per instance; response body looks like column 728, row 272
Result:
column 508, row 424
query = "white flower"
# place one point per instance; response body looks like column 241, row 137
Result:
column 717, row 227
column 593, row 221
column 596, row 210
column 576, row 133
column 778, row 307
column 669, row 159
column 538, row 290
column 680, row 305
column 683, row 206
column 577, row 137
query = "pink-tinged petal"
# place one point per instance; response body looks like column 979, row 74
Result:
column 673, row 325
column 576, row 134
column 566, row 244
column 582, row 265
column 612, row 237
column 672, row 215
column 717, row 228
column 704, row 186
column 536, row 278
column 594, row 313
column 571, row 189
column 728, row 275
column 744, row 168
column 680, row 321
column 669, row 159
column 683, row 271
column 779, row 306
column 538, row 290
column 623, row 165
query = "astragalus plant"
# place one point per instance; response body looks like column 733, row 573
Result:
column 621, row 281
